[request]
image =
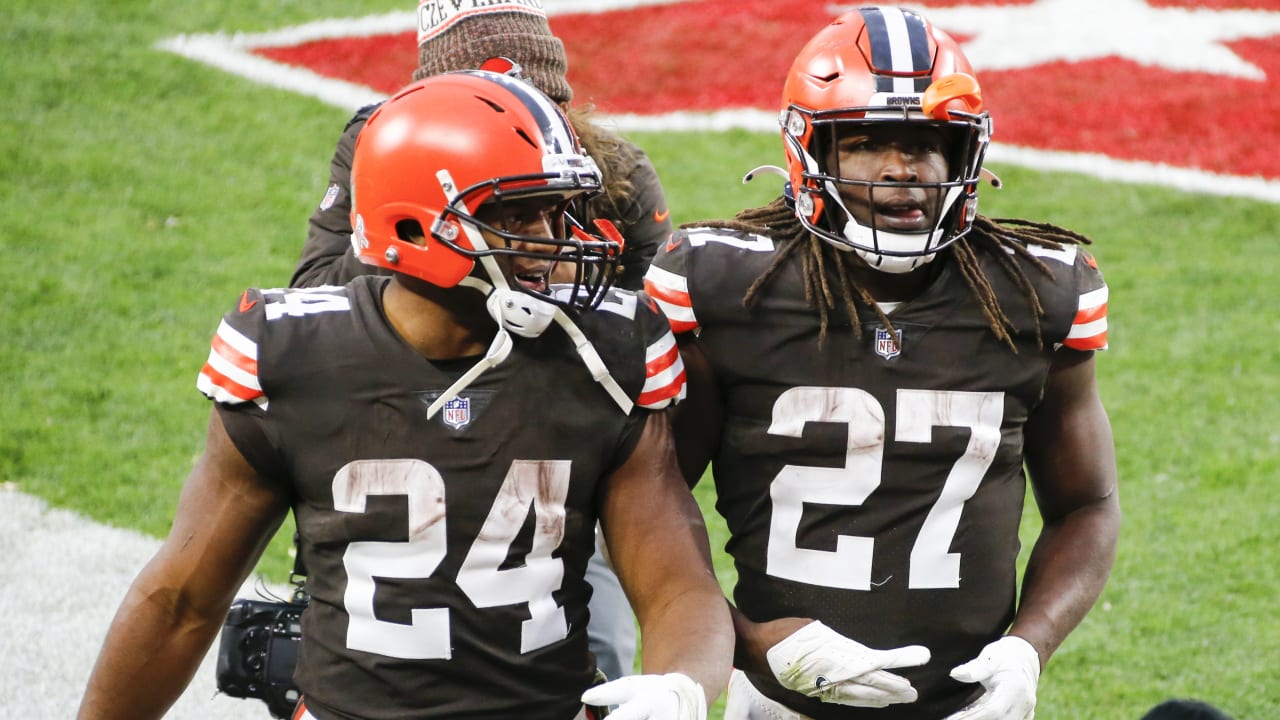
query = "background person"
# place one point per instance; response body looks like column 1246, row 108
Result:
column 450, row 39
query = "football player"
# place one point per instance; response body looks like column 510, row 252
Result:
column 468, row 36
column 447, row 438
column 871, row 366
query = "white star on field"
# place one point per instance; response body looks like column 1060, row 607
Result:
column 1013, row 37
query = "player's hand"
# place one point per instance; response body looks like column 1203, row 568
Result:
column 1009, row 669
column 821, row 663
column 650, row 697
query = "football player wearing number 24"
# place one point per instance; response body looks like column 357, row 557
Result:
column 447, row 438
column 871, row 365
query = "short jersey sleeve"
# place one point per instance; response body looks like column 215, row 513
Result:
column 702, row 274
column 232, row 378
column 1075, row 298
column 667, row 282
column 664, row 375
column 263, row 354
column 1089, row 326
column 230, row 374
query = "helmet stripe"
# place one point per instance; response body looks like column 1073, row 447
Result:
column 899, row 44
column 555, row 128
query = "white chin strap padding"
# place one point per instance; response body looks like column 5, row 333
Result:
column 498, row 351
column 519, row 312
column 892, row 264
column 862, row 238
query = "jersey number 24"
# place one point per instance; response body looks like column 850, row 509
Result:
column 544, row 484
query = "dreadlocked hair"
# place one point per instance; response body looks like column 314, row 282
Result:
column 827, row 271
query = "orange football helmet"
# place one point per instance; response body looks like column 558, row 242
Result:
column 442, row 147
column 881, row 65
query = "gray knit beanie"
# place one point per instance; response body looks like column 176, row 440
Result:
column 461, row 35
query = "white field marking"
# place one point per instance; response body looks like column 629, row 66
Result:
column 63, row 577
column 1045, row 31
column 233, row 53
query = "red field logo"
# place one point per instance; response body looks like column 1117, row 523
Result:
column 1175, row 92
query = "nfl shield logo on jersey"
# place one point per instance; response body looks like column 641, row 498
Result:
column 888, row 344
column 330, row 196
column 457, row 413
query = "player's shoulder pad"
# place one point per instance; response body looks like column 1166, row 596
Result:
column 634, row 339
column 701, row 265
column 233, row 372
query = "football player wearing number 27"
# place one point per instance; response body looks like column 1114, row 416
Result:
column 447, row 438
column 871, row 365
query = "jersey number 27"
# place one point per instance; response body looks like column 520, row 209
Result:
column 919, row 411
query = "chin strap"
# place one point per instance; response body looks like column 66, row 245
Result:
column 520, row 313
column 595, row 365
column 498, row 351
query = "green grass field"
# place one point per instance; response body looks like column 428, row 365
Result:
column 141, row 192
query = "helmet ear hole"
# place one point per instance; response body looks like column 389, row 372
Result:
column 410, row 230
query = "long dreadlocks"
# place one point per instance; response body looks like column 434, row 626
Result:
column 822, row 263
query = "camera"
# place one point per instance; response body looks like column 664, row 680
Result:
column 259, row 650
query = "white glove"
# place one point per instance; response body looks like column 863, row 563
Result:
column 819, row 662
column 1009, row 669
column 651, row 697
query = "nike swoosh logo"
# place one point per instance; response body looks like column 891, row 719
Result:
column 661, row 217
column 674, row 242
column 245, row 303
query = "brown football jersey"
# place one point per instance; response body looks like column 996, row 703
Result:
column 446, row 555
column 875, row 483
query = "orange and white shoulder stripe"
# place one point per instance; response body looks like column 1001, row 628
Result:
column 230, row 375
column 664, row 376
column 1089, row 328
column 671, row 292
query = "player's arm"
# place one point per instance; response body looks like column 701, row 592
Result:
column 1070, row 456
column 754, row 639
column 658, row 543
column 226, row 516
column 327, row 256
column 698, row 419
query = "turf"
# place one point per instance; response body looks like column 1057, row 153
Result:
column 141, row 192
